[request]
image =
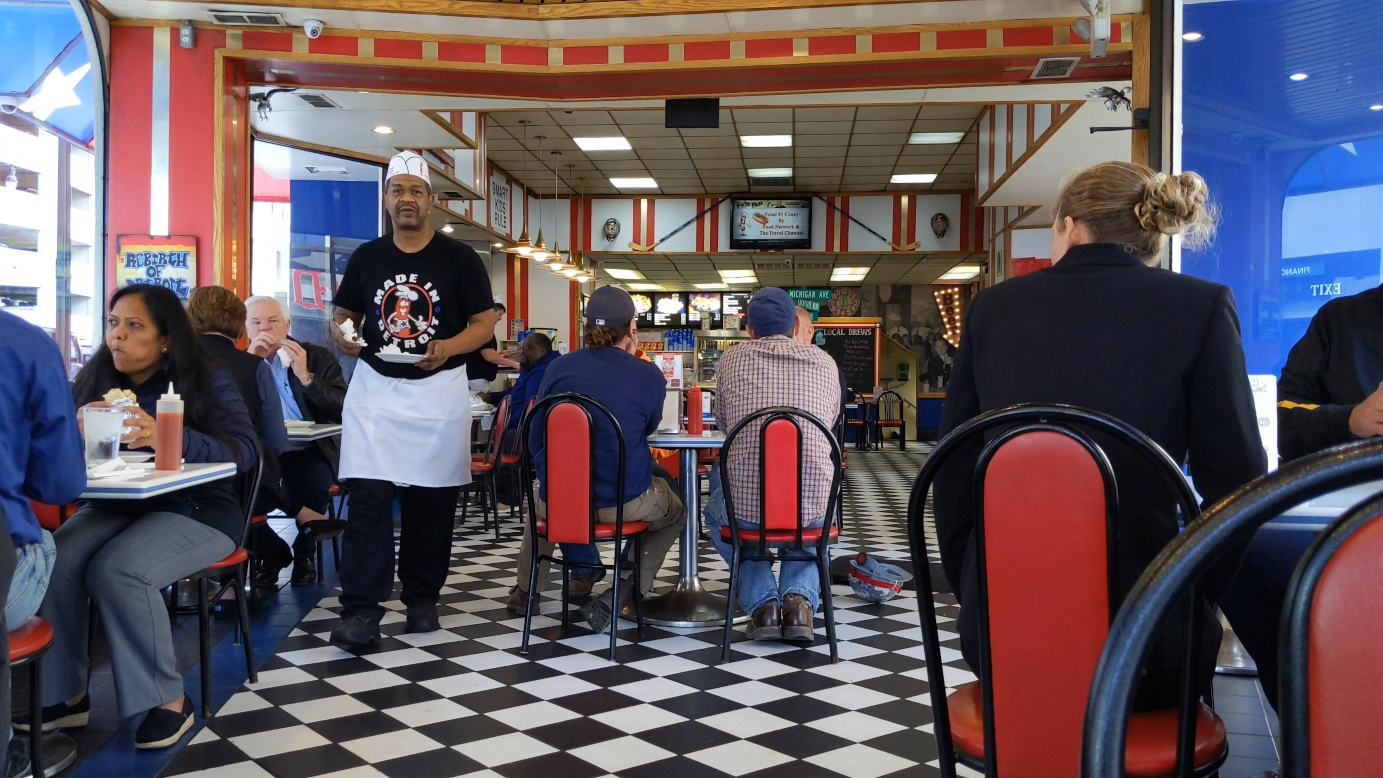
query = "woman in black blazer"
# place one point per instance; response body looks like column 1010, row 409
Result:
column 1103, row 329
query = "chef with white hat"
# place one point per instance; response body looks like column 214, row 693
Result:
column 421, row 303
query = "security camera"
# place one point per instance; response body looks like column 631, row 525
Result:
column 313, row 28
column 9, row 103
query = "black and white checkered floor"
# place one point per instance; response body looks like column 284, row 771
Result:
column 463, row 702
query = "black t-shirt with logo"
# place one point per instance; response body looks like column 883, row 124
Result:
column 410, row 300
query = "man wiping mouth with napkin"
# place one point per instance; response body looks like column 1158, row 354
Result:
column 405, row 424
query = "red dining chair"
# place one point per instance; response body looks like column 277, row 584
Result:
column 229, row 573
column 1045, row 490
column 28, row 644
column 785, row 524
column 568, row 428
column 483, row 470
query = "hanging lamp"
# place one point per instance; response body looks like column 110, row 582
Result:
column 540, row 252
column 524, row 247
column 556, row 262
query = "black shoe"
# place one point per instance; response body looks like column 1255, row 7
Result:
column 582, row 582
column 17, row 764
column 60, row 716
column 267, row 576
column 163, row 727
column 321, row 529
column 304, row 571
column 422, row 618
column 599, row 613
column 357, row 630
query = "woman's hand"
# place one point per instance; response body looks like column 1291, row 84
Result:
column 139, row 430
column 81, row 417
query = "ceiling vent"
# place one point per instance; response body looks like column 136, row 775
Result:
column 316, row 100
column 248, row 18
column 761, row 183
column 1055, row 67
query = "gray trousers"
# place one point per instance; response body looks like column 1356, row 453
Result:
column 119, row 563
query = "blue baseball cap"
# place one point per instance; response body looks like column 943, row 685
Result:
column 771, row 312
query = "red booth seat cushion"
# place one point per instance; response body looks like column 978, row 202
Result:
column 1152, row 737
column 781, row 535
column 605, row 531
column 32, row 636
column 236, row 557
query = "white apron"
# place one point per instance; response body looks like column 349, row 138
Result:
column 410, row 431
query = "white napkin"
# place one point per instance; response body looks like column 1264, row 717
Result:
column 114, row 470
column 284, row 356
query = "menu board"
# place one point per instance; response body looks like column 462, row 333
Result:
column 771, row 223
column 734, row 303
column 854, row 350
column 669, row 310
column 704, row 305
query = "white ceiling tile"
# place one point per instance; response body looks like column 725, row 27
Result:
column 833, row 114
column 750, row 115
column 934, row 111
column 638, row 117
column 900, row 126
column 583, row 118
column 819, row 151
column 822, row 128
column 711, row 142
column 885, row 112
column 942, row 125
column 765, row 128
column 836, row 141
column 729, row 152
column 632, row 131
column 660, row 142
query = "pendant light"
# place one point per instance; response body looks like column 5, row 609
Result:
column 582, row 276
column 557, row 263
column 540, row 252
column 523, row 248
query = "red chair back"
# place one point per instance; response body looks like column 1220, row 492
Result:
column 497, row 431
column 49, row 516
column 1333, row 673
column 569, row 499
column 781, row 479
column 1044, row 542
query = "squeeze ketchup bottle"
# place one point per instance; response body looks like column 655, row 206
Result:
column 694, row 411
column 168, row 432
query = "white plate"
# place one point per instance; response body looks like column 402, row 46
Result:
column 401, row 359
column 135, row 458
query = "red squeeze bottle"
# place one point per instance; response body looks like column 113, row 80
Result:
column 694, row 420
column 168, row 432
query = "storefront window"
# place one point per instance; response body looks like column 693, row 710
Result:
column 1283, row 116
column 50, row 273
column 310, row 212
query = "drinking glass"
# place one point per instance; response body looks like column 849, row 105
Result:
column 102, row 427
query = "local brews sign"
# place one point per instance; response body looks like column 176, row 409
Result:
column 167, row 261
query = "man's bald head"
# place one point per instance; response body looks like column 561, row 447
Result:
column 802, row 331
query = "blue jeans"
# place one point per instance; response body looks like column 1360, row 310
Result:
column 589, row 554
column 31, row 578
column 756, row 584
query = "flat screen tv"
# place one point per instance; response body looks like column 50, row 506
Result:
column 771, row 223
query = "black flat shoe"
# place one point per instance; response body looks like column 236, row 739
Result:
column 321, row 529
column 17, row 764
column 163, row 727
column 423, row 618
column 304, row 571
column 357, row 630
column 60, row 716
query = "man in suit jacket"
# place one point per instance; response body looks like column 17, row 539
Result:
column 310, row 387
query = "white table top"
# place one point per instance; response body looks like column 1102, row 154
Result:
column 1316, row 514
column 707, row 439
column 155, row 483
column 314, row 432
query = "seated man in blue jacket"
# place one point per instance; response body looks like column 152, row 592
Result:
column 535, row 354
column 40, row 459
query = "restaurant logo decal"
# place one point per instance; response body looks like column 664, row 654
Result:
column 169, row 261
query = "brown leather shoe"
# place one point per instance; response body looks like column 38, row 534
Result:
column 765, row 623
column 797, row 619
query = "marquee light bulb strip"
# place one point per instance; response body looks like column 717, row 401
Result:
column 949, row 303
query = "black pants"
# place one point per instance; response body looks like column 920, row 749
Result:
column 307, row 475
column 1254, row 600
column 367, row 554
column 8, row 562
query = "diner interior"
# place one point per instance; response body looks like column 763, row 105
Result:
column 919, row 150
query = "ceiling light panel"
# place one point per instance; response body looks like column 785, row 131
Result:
column 616, row 143
column 710, row 286
column 912, row 178
column 623, row 274
column 935, row 138
column 645, row 287
column 765, row 141
column 636, row 183
column 770, row 172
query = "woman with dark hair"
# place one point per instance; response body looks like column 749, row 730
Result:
column 117, row 555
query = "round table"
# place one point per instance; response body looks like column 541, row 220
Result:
column 688, row 604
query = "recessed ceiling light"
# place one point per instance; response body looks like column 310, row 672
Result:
column 935, row 138
column 616, row 143
column 1298, row 76
column 446, row 228
column 912, row 178
column 710, row 286
column 363, row 92
column 623, row 274
column 960, row 273
column 1192, row 37
column 1376, row 107
column 633, row 183
column 383, row 130
column 737, row 276
column 499, row 245
column 645, row 287
column 770, row 172
column 765, row 141
column 849, row 273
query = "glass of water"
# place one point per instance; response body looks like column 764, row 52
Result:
column 102, row 428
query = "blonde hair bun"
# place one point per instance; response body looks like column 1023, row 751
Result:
column 1173, row 205
column 1134, row 206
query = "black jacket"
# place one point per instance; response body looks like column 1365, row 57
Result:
column 1334, row 367
column 321, row 401
column 1103, row 331
column 256, row 389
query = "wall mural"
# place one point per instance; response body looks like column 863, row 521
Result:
column 911, row 317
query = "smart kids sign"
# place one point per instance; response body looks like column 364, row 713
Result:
column 168, row 261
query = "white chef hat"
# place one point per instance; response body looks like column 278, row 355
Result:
column 408, row 163
column 406, row 291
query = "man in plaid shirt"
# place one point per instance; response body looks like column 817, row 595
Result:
column 775, row 368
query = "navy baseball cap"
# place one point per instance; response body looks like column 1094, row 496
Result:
column 771, row 312
column 609, row 306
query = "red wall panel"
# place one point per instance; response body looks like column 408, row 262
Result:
column 191, row 146
column 131, row 123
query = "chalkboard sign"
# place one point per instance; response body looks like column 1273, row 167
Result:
column 853, row 349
